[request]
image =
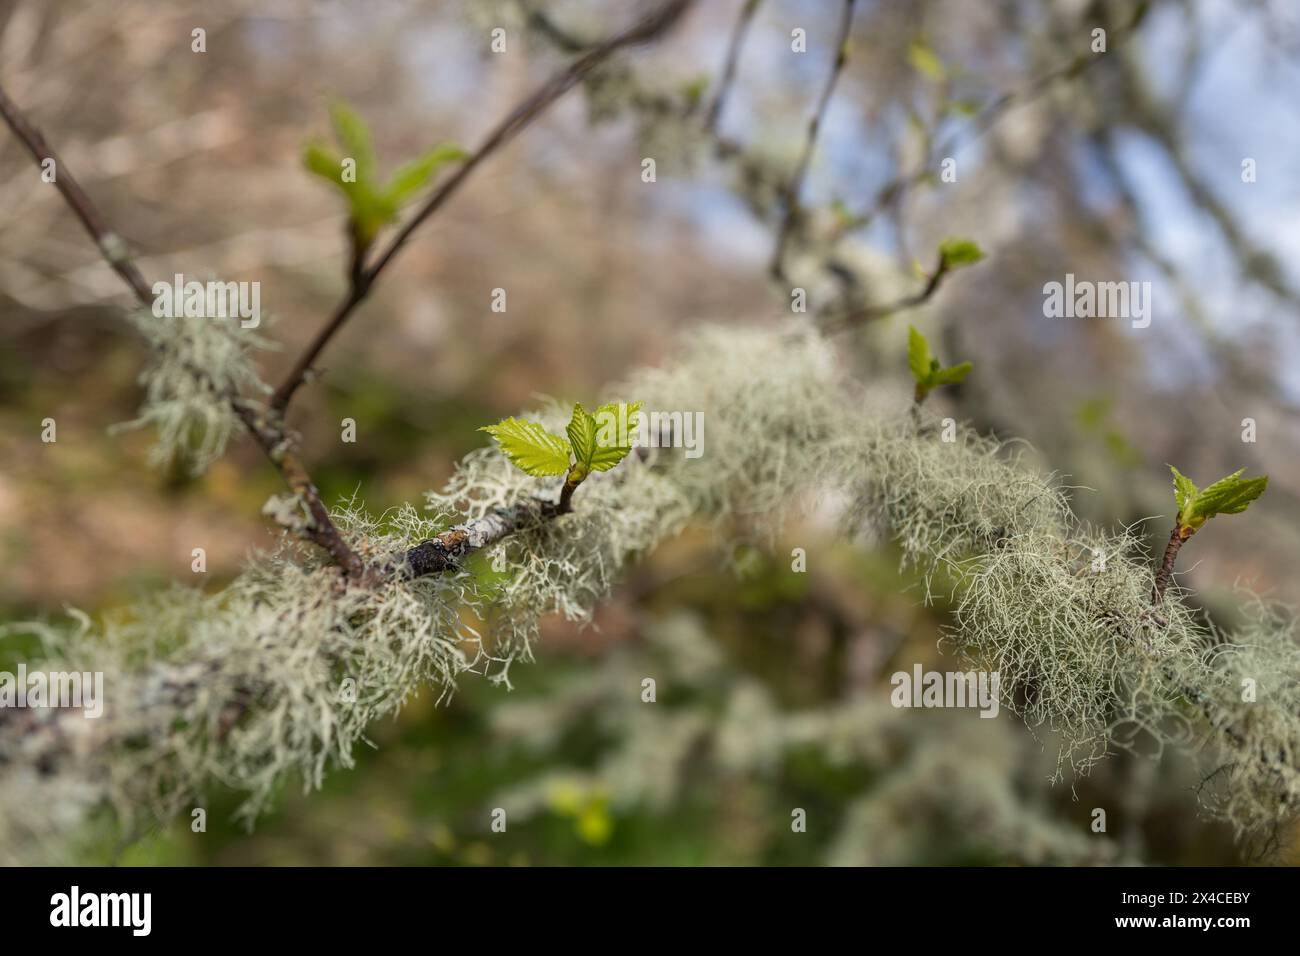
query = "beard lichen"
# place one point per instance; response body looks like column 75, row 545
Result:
column 198, row 363
column 280, row 673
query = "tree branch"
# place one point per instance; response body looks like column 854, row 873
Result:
column 111, row 245
column 795, row 186
column 733, row 59
column 838, row 321
column 992, row 114
column 267, row 431
column 447, row 550
column 646, row 29
column 1166, row 570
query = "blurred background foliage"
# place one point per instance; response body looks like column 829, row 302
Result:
column 772, row 686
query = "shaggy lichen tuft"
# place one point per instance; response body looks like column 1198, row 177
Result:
column 198, row 364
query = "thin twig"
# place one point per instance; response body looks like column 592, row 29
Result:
column 1166, row 570
column 738, row 32
column 992, row 114
column 793, row 188
column 837, row 321
column 646, row 29
column 111, row 245
column 267, row 431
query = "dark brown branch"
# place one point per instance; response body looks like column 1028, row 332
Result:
column 1166, row 571
column 111, row 245
column 565, row 504
column 837, row 321
column 793, row 188
column 743, row 21
column 266, row 430
column 645, row 30
column 446, row 551
column 1198, row 697
column 559, row 37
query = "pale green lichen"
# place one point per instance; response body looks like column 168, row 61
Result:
column 245, row 686
column 926, row 799
column 192, row 412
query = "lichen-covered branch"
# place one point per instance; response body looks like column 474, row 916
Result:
column 267, row 429
column 265, row 422
column 448, row 550
column 111, row 245
column 280, row 674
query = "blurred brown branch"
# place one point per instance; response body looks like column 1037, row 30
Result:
column 790, row 192
column 266, row 424
column 363, row 277
column 268, row 434
column 738, row 32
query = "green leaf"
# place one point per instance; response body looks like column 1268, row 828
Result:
column 694, row 90
column 925, row 61
column 1227, row 496
column 918, row 356
column 954, row 253
column 324, row 163
column 354, row 137
column 371, row 207
column 616, row 426
column 582, row 436
column 412, row 177
column 953, row 375
column 927, row 370
column 530, row 447
column 1184, row 491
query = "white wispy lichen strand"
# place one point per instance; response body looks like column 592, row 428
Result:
column 191, row 412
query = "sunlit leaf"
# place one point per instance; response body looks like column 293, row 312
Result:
column 530, row 447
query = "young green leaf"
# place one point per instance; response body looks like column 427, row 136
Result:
column 365, row 209
column 617, row 423
column 1227, row 496
column 953, row 375
column 412, row 177
column 530, row 447
column 602, row 440
column 926, row 369
column 918, row 355
column 582, row 436
column 1184, row 491
column 925, row 61
column 324, row 163
column 371, row 206
column 354, row 137
column 954, row 253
